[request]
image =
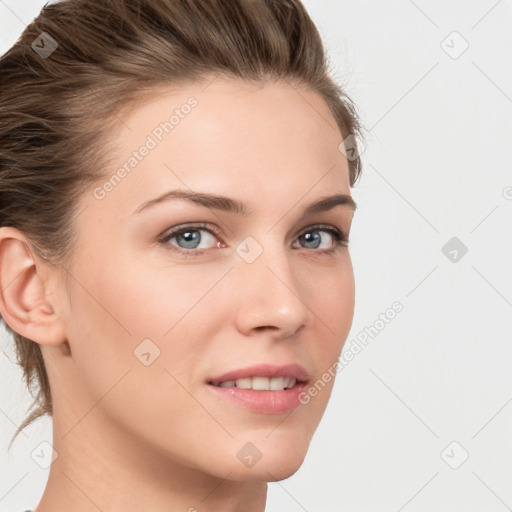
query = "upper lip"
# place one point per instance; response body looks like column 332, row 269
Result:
column 295, row 371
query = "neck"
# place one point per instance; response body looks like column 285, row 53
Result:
column 112, row 472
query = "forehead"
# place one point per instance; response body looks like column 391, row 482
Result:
column 221, row 111
column 267, row 141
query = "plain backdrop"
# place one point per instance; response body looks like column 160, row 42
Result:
column 420, row 419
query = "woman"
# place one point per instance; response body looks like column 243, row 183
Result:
column 175, row 211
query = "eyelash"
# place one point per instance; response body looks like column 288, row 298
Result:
column 340, row 239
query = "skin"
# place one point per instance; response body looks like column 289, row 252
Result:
column 133, row 437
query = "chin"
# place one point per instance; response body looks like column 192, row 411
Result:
column 282, row 473
column 266, row 472
column 276, row 463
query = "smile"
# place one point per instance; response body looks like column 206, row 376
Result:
column 265, row 389
column 261, row 383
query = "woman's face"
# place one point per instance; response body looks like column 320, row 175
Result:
column 157, row 320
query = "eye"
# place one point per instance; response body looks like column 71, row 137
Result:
column 313, row 240
column 190, row 237
column 186, row 239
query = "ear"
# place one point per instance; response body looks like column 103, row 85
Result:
column 25, row 301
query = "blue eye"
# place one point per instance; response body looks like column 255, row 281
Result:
column 311, row 236
column 189, row 237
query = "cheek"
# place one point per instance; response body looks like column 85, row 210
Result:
column 113, row 313
column 331, row 297
column 343, row 293
column 135, row 313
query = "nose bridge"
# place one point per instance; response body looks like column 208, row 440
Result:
column 269, row 292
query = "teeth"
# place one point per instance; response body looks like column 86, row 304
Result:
column 260, row 383
column 244, row 383
column 227, row 384
column 276, row 384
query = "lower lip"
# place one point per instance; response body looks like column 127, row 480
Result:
column 266, row 402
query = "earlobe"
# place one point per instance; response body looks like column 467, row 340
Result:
column 24, row 304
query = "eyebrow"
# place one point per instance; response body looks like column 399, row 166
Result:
column 234, row 206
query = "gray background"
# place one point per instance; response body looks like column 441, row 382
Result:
column 434, row 385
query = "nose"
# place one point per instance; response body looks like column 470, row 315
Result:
column 271, row 296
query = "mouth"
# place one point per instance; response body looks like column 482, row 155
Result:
column 264, row 389
column 260, row 383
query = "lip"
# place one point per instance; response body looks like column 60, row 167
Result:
column 262, row 401
column 264, row 370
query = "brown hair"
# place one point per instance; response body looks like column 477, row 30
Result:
column 66, row 79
